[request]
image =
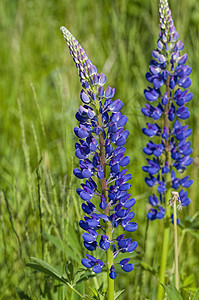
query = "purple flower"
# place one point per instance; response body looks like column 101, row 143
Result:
column 103, row 164
column 168, row 96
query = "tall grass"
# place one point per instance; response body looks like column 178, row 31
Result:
column 39, row 97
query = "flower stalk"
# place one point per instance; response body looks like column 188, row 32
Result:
column 102, row 168
column 109, row 253
column 166, row 231
column 164, row 252
column 174, row 200
column 168, row 76
column 175, row 245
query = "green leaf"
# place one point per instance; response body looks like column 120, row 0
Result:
column 117, row 294
column 172, row 295
column 195, row 225
column 192, row 222
column 46, row 269
column 191, row 290
column 46, row 265
column 193, row 233
column 73, row 241
column 196, row 296
column 188, row 281
column 69, row 270
column 98, row 294
column 80, row 277
column 147, row 267
column 94, row 291
column 188, row 221
column 63, row 247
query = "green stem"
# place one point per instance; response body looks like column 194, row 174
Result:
column 165, row 244
column 175, row 245
column 109, row 252
column 72, row 288
column 109, row 256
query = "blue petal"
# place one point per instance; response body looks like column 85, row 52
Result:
column 109, row 93
column 84, row 97
column 112, row 273
column 78, row 173
column 183, row 112
column 148, row 132
column 90, row 246
column 184, row 82
column 86, row 209
column 103, row 205
column 124, row 261
column 86, row 263
column 88, row 237
column 97, row 269
column 100, row 174
column 86, row 173
column 116, row 105
column 132, row 226
column 84, row 225
column 124, row 187
column 79, row 154
column 121, row 141
column 129, row 203
column 122, row 121
column 183, row 59
column 93, row 223
column 151, row 95
column 100, row 92
column 132, row 247
column 102, row 79
column 124, row 161
column 128, row 267
column 85, row 196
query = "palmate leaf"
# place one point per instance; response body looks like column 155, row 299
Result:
column 44, row 267
column 172, row 294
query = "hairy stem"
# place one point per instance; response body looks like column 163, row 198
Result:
column 165, row 242
column 166, row 120
column 109, row 252
column 175, row 245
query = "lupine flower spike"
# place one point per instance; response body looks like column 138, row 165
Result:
column 169, row 152
column 102, row 167
column 168, row 95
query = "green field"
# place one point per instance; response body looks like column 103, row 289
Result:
column 39, row 91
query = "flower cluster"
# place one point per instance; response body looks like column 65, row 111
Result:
column 170, row 151
column 102, row 166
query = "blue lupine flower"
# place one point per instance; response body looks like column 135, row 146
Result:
column 168, row 96
column 102, row 165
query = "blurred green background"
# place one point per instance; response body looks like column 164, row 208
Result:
column 39, row 90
